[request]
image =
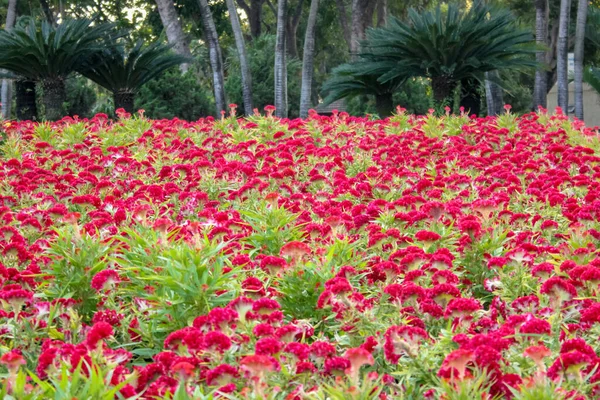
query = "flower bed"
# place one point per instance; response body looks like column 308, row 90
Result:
column 335, row 257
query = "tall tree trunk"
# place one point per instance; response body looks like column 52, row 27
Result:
column 254, row 13
column 55, row 95
column 308, row 58
column 48, row 12
column 25, row 99
column 124, row 99
column 291, row 34
column 280, row 63
column 579, row 42
column 343, row 16
column 174, row 31
column 382, row 12
column 6, row 96
column 540, row 89
column 362, row 17
column 493, row 93
column 562, row 56
column 214, row 52
column 241, row 48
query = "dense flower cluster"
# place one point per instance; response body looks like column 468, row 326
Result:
column 266, row 258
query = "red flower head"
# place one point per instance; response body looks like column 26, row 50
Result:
column 221, row 375
column 98, row 332
column 12, row 361
column 268, row 346
column 258, row 365
column 403, row 340
column 358, row 357
column 295, row 250
column 455, row 364
column 105, row 280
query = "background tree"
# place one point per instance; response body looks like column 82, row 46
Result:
column 123, row 72
column 308, row 59
column 280, row 62
column 173, row 30
column 241, row 49
column 216, row 57
column 6, row 96
column 434, row 45
column 578, row 67
column 46, row 54
column 540, row 90
column 562, row 54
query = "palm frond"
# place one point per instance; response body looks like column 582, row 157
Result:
column 355, row 79
column 591, row 76
column 38, row 50
column 457, row 44
column 118, row 69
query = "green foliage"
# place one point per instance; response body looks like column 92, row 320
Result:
column 273, row 228
column 175, row 95
column 262, row 61
column 81, row 97
column 186, row 281
column 77, row 259
column 300, row 290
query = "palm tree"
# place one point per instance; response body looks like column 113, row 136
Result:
column 308, row 59
column 354, row 79
column 561, row 56
column 46, row 54
column 241, row 49
column 579, row 42
column 448, row 47
column 124, row 72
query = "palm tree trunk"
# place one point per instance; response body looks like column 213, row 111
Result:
column 280, row 63
column 493, row 93
column 384, row 105
column 470, row 97
column 241, row 48
column 579, row 42
column 214, row 52
column 174, row 31
column 308, row 57
column 25, row 98
column 562, row 61
column 442, row 88
column 55, row 94
column 124, row 99
column 540, row 89
column 6, row 96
